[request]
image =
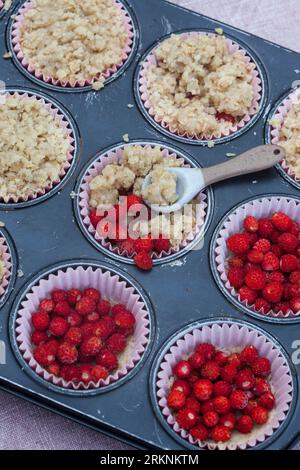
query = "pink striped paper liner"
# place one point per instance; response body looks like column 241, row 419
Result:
column 16, row 35
column 233, row 48
column 259, row 208
column 280, row 114
column 1, row 4
column 5, row 255
column 96, row 168
column 229, row 337
column 113, row 288
column 65, row 125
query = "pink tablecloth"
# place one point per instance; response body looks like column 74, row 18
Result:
column 25, row 426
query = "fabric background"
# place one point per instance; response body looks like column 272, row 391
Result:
column 25, row 426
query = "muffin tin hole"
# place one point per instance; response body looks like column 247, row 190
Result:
column 9, row 260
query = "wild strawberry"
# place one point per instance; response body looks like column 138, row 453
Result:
column 294, row 291
column 143, row 245
column 276, row 250
column 73, row 336
column 47, row 305
column 103, row 308
column 70, row 373
column 249, row 354
column 43, row 356
column 222, row 388
column 99, row 373
column 281, row 221
column 256, row 279
column 288, row 263
column 182, row 385
column 251, row 224
column 252, row 238
column 210, row 370
column 207, row 350
column 234, row 360
column 93, row 294
column 92, row 317
column 67, row 353
column 116, row 343
column 274, row 236
column 118, row 308
column 262, row 305
column 62, row 308
column 74, row 319
column 207, row 406
column 134, row 200
column 125, row 320
column 196, row 360
column 161, row 244
column 193, row 404
column 87, row 330
column 211, row 419
column 251, row 404
column 182, row 369
column 236, row 262
column 273, row 292
column 221, row 433
column 261, row 366
column 40, row 320
column 238, row 399
column 95, row 217
column 248, row 295
column 91, row 346
column 295, row 228
column 276, row 276
column 52, row 346
column 143, row 261
column 245, row 379
column 238, row 243
column 193, row 377
column 228, row 420
column 59, row 295
column 220, row 358
column 259, row 415
column 244, row 424
column 85, row 372
column 176, row 399
column 127, row 246
column 58, row 326
column 267, row 400
column 73, row 295
column 265, row 228
column 54, row 369
column 203, row 389
column 283, row 307
column 288, row 242
column 255, row 256
column 295, row 277
column 262, row 245
column 228, row 373
column 236, row 277
column 107, row 359
column 270, row 262
column 295, row 304
column 104, row 327
column 221, row 405
column 39, row 337
column 85, row 306
column 186, row 418
column 199, row 432
column 261, row 386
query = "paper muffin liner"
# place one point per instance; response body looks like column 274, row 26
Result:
column 279, row 116
column 16, row 35
column 61, row 119
column 229, row 337
column 1, row 5
column 233, row 48
column 114, row 156
column 5, row 255
column 259, row 208
column 111, row 287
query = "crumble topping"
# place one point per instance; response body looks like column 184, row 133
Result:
column 289, row 138
column 195, row 79
column 33, row 147
column 73, row 41
column 161, row 189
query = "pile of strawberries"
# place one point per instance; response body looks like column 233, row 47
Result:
column 265, row 265
column 111, row 225
column 78, row 335
column 215, row 393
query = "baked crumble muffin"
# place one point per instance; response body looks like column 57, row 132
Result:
column 198, row 86
column 73, row 41
column 289, row 138
column 33, row 147
column 161, row 189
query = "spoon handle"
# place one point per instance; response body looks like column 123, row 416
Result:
column 257, row 159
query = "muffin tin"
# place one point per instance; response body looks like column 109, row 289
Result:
column 180, row 293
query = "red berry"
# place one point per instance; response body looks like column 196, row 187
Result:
column 143, row 245
column 40, row 320
column 262, row 304
column 62, row 308
column 95, row 218
column 91, row 346
column 295, row 304
column 273, row 292
column 207, row 350
column 117, row 343
column 265, row 228
column 244, row 424
column 276, row 250
column 182, row 385
column 261, row 366
column 125, row 320
column 104, row 327
column 251, row 224
column 238, row 399
column 236, row 262
column 162, row 244
column 259, row 415
column 276, row 276
column 74, row 319
column 270, row 262
column 221, row 405
column 143, row 261
column 222, row 388
column 228, row 373
column 85, row 306
column 126, row 247
column 74, row 336
column 261, row 386
column 199, row 432
column 92, row 317
column 67, row 353
column 176, row 400
column 186, row 418
column 281, row 221
column 107, row 359
column 256, row 279
column 196, row 360
column 47, row 305
column 262, row 245
column 251, row 404
column 39, row 337
column 118, row 308
column 193, row 404
column 236, row 277
column 295, row 228
column 93, row 294
column 182, row 369
column 59, row 295
column 220, row 358
column 295, row 277
column 245, row 380
column 203, row 389
column 288, row 242
column 70, row 373
column 134, row 200
column 54, row 369
column 58, row 326
column 267, row 400
column 210, row 370
column 238, row 243
column 221, row 433
column 43, row 356
column 52, row 346
column 288, row 263
column 87, row 330
column 255, row 256
column 73, row 295
column 207, row 406
column 249, row 354
column 99, row 373
column 252, row 238
column 211, row 419
column 228, row 420
column 85, row 371
column 103, row 308
column 247, row 295
column 283, row 307
column 235, row 360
